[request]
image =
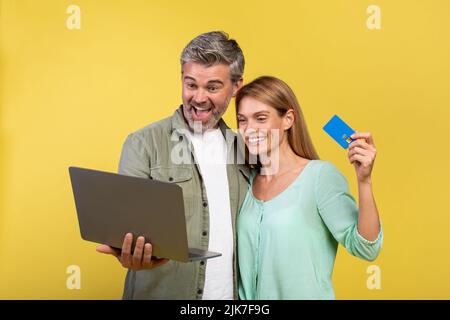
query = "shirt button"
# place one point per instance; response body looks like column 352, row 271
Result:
column 199, row 291
column 180, row 138
column 170, row 179
column 205, row 204
column 204, row 233
column 202, row 263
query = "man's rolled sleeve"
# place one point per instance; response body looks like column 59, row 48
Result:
column 134, row 159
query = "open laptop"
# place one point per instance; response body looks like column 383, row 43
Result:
column 110, row 205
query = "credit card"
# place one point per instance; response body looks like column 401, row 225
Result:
column 339, row 131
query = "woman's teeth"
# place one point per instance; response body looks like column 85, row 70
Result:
column 255, row 141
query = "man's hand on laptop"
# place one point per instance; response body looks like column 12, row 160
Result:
column 141, row 258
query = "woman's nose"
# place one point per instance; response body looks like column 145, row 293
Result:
column 249, row 130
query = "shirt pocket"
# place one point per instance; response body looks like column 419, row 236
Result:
column 171, row 174
column 183, row 177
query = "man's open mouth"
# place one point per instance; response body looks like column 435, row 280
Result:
column 201, row 113
column 200, row 110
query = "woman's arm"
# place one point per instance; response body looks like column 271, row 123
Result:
column 362, row 155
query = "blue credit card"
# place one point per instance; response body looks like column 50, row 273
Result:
column 339, row 131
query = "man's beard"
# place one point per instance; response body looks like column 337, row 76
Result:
column 200, row 126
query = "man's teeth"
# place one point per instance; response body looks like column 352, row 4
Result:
column 257, row 140
column 201, row 110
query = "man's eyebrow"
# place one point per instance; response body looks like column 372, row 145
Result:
column 189, row 78
column 215, row 81
column 209, row 82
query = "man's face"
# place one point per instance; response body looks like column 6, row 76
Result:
column 206, row 93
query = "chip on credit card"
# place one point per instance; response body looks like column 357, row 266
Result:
column 339, row 131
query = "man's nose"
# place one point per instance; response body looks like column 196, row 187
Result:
column 200, row 97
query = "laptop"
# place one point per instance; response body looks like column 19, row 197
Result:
column 110, row 205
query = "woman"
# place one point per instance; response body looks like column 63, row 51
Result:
column 298, row 208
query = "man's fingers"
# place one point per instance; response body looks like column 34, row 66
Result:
column 126, row 250
column 149, row 262
column 147, row 259
column 108, row 250
column 138, row 250
column 141, row 257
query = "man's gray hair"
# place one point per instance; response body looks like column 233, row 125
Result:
column 213, row 48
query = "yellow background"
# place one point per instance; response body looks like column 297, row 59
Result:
column 70, row 97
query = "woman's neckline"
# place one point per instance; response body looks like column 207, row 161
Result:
column 297, row 178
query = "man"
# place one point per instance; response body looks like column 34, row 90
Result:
column 212, row 67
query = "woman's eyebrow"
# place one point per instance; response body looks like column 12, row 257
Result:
column 259, row 113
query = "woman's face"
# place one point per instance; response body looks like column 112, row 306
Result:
column 262, row 128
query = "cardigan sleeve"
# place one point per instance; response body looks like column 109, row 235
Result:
column 338, row 209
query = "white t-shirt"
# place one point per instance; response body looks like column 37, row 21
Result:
column 211, row 154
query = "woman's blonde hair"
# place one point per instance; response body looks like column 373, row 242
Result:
column 277, row 94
